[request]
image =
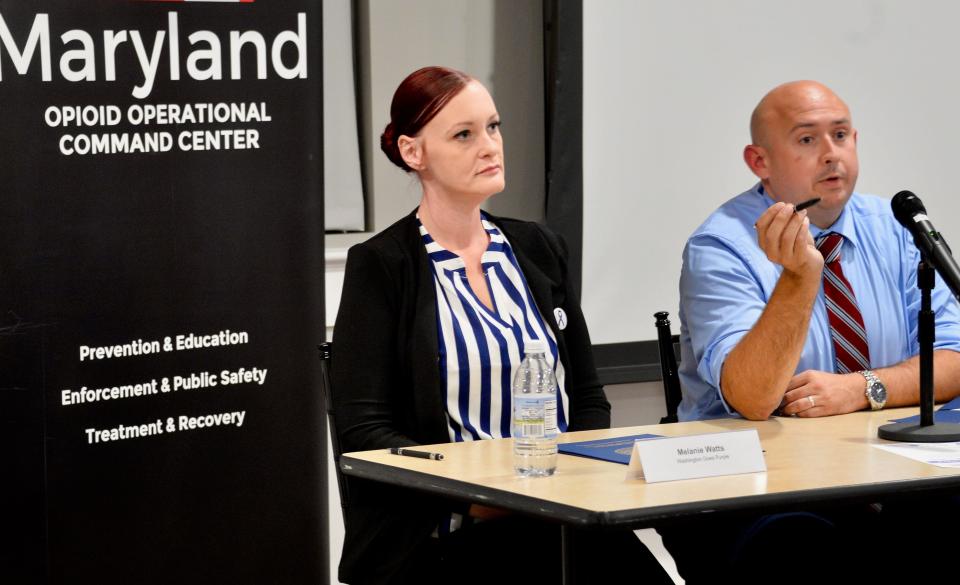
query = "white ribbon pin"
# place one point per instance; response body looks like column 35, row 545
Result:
column 561, row 317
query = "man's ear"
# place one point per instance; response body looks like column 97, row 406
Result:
column 756, row 158
column 411, row 151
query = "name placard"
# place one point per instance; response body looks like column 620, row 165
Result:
column 692, row 456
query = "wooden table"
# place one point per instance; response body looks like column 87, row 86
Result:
column 809, row 461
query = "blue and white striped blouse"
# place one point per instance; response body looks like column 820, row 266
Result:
column 480, row 348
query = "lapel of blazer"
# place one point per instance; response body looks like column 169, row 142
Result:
column 424, row 353
column 541, row 285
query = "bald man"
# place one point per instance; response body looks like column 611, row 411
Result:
column 757, row 336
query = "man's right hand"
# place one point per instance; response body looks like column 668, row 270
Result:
column 776, row 339
column 784, row 236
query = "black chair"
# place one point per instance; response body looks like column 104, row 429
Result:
column 326, row 351
column 669, row 347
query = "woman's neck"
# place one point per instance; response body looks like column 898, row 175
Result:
column 455, row 225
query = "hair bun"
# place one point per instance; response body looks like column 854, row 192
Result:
column 386, row 139
column 388, row 144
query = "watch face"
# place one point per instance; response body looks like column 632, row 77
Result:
column 878, row 392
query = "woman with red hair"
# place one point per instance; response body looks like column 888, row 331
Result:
column 435, row 313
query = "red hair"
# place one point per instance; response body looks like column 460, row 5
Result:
column 418, row 99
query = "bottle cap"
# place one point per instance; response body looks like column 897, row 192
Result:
column 534, row 346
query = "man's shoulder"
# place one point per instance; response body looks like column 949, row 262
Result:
column 873, row 217
column 733, row 220
column 870, row 206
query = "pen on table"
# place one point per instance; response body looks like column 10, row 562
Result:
column 420, row 454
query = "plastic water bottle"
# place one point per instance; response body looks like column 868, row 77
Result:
column 535, row 413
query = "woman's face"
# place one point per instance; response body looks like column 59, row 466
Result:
column 460, row 149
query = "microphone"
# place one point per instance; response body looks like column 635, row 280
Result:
column 910, row 212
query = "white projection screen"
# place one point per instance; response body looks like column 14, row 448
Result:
column 668, row 91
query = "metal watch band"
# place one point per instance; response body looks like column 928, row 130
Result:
column 872, row 379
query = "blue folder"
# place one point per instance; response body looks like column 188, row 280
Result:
column 617, row 449
column 952, row 405
column 942, row 415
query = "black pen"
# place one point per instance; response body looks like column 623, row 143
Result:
column 806, row 204
column 420, row 454
column 801, row 206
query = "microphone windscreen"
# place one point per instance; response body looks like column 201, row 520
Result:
column 905, row 205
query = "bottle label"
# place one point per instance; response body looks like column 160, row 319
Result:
column 550, row 422
column 535, row 417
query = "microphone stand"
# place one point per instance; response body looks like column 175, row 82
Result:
column 927, row 431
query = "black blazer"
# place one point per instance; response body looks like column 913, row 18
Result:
column 386, row 385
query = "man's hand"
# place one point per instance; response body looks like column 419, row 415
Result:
column 813, row 393
column 784, row 236
column 758, row 369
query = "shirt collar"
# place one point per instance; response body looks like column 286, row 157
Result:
column 845, row 224
column 449, row 260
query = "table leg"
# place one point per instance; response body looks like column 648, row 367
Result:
column 568, row 552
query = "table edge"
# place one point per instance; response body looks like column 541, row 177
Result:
column 636, row 518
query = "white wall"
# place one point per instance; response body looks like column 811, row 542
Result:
column 342, row 189
column 668, row 91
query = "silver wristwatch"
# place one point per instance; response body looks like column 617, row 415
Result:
column 876, row 392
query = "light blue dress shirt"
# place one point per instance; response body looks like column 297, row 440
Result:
column 727, row 280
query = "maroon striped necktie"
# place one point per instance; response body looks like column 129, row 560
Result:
column 846, row 323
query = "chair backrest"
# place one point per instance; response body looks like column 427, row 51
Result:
column 669, row 346
column 326, row 353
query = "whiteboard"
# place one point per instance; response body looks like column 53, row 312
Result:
column 668, row 91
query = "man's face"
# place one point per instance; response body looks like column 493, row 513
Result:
column 809, row 149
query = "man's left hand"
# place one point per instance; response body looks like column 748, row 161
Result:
column 813, row 393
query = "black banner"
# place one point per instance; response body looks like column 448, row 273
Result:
column 161, row 272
